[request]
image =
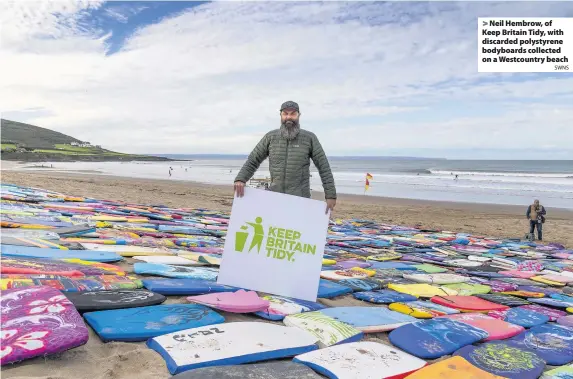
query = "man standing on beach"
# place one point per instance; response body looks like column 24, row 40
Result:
column 536, row 215
column 289, row 150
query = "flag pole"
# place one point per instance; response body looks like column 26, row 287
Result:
column 366, row 182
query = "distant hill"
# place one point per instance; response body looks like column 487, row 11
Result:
column 33, row 136
column 30, row 143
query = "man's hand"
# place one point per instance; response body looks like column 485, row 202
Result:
column 239, row 188
column 330, row 203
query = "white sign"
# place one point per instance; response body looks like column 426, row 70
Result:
column 525, row 44
column 274, row 244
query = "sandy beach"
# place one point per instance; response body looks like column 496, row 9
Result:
column 503, row 221
column 97, row 360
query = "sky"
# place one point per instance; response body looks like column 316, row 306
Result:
column 371, row 78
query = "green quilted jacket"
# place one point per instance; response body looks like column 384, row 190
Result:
column 289, row 163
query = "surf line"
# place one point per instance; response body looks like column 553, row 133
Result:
column 284, row 243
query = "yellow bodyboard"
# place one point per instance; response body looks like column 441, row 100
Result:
column 364, row 271
column 423, row 290
column 104, row 266
column 410, row 311
column 452, row 368
column 74, row 198
column 109, row 218
column 100, row 241
column 17, row 213
column 6, row 224
column 541, row 279
column 387, row 255
column 525, row 294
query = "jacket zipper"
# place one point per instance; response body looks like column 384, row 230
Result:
column 285, row 168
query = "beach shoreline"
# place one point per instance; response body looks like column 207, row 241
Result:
column 499, row 221
column 516, row 184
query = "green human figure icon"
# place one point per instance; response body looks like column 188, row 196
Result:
column 259, row 234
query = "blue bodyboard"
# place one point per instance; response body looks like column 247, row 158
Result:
column 553, row 343
column 396, row 265
column 140, row 324
column 431, row 339
column 525, row 318
column 562, row 297
column 501, row 359
column 42, row 253
column 185, row 286
column 384, row 296
column 552, row 302
column 328, row 289
column 368, row 317
column 361, row 284
column 179, row 272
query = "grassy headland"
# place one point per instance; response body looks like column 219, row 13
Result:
column 30, row 143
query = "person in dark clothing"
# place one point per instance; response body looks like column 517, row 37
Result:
column 290, row 151
column 536, row 215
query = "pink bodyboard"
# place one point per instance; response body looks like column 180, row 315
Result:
column 468, row 303
column 240, row 301
column 38, row 321
column 496, row 328
column 25, row 271
column 500, row 315
column 519, row 274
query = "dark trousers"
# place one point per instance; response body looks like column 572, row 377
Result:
column 532, row 225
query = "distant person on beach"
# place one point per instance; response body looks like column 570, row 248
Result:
column 536, row 215
column 289, row 150
column 456, row 178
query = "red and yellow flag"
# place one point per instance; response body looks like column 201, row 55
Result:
column 367, row 183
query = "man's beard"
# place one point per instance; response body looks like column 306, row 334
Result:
column 290, row 129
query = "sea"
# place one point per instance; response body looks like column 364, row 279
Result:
column 512, row 182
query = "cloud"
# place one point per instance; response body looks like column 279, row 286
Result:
column 369, row 77
column 123, row 12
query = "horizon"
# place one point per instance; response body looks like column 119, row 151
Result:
column 366, row 157
column 395, row 77
column 485, row 154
